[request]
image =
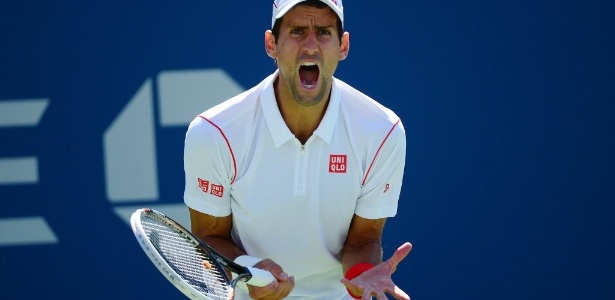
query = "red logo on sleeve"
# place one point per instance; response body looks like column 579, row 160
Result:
column 204, row 185
column 337, row 163
column 217, row 190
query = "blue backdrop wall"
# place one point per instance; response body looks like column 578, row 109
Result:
column 508, row 106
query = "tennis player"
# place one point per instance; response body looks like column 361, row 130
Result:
column 298, row 174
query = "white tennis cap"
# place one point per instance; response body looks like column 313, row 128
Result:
column 280, row 7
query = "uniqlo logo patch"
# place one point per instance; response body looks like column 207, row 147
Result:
column 204, row 185
column 217, row 190
column 338, row 163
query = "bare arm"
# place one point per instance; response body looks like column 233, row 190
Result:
column 216, row 232
column 364, row 242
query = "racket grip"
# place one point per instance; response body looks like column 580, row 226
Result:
column 260, row 277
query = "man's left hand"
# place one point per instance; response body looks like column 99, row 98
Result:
column 377, row 280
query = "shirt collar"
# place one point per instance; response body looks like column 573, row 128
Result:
column 278, row 128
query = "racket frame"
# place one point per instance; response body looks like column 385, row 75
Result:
column 220, row 261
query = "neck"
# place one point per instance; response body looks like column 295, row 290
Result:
column 301, row 120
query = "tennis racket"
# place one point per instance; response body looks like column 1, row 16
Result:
column 193, row 267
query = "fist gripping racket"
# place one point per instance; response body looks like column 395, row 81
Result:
column 194, row 268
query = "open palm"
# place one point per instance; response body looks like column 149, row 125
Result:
column 377, row 280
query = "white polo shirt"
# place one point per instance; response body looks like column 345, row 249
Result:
column 290, row 202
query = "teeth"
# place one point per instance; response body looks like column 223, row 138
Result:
column 308, row 64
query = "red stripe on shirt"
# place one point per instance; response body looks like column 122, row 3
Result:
column 374, row 159
column 229, row 148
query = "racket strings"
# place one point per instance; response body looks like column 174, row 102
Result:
column 188, row 260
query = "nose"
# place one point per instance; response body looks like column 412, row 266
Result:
column 311, row 43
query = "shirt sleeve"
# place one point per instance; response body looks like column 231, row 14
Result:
column 382, row 183
column 208, row 168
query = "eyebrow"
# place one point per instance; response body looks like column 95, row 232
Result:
column 315, row 27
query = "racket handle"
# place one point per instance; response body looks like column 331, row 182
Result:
column 260, row 277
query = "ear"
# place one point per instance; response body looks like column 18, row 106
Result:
column 345, row 46
column 270, row 45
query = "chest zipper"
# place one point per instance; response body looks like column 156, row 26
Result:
column 300, row 176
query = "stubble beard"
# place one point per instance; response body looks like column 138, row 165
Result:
column 310, row 100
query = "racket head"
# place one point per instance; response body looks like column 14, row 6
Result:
column 180, row 257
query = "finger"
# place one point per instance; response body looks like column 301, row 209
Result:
column 347, row 283
column 283, row 290
column 400, row 254
column 351, row 286
column 381, row 296
column 400, row 294
column 287, row 287
column 274, row 268
column 282, row 276
column 367, row 294
column 260, row 292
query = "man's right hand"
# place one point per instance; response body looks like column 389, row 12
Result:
column 276, row 290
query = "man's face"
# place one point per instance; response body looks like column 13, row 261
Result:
column 307, row 52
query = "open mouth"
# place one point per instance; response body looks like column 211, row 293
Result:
column 308, row 74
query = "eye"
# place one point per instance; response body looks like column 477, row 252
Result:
column 296, row 31
column 324, row 32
